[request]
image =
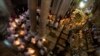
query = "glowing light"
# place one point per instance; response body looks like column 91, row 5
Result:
column 31, row 51
column 13, row 24
column 17, row 20
column 43, row 39
column 22, row 32
column 17, row 42
column 33, row 40
column 16, row 35
column 82, row 5
column 38, row 10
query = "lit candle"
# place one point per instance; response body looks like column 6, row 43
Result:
column 31, row 51
column 43, row 39
column 22, row 32
column 33, row 40
column 17, row 42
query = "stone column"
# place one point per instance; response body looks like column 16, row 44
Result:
column 55, row 7
column 45, row 6
column 10, row 8
column 3, row 18
column 32, row 5
column 64, row 7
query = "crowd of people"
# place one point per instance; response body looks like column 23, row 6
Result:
column 20, row 37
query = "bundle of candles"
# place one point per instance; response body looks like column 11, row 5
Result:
column 20, row 36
